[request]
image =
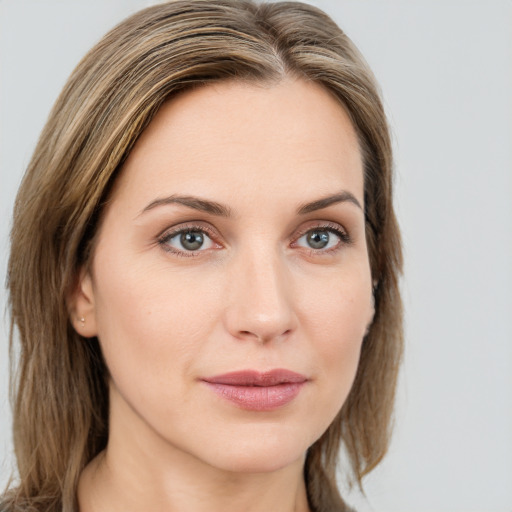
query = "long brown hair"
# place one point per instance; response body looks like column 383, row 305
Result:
column 59, row 388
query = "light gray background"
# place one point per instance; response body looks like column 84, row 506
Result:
column 446, row 71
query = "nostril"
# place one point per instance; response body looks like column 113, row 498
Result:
column 263, row 337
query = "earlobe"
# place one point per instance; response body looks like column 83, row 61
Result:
column 82, row 308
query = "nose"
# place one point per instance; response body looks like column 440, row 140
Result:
column 260, row 305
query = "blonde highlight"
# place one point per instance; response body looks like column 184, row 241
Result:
column 59, row 389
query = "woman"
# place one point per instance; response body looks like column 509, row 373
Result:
column 204, row 269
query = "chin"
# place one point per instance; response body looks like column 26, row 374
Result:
column 264, row 452
column 246, row 463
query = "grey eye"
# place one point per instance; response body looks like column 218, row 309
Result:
column 318, row 239
column 188, row 240
column 192, row 240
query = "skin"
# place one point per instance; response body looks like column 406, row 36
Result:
column 255, row 295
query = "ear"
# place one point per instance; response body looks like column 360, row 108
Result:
column 82, row 307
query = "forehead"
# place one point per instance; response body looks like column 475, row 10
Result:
column 238, row 139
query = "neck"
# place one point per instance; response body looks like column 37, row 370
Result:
column 141, row 471
column 103, row 489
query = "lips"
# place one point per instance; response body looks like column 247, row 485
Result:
column 258, row 391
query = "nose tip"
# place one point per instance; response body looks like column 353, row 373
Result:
column 261, row 303
column 247, row 325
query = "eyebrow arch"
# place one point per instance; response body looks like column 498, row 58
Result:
column 195, row 203
column 220, row 210
column 342, row 197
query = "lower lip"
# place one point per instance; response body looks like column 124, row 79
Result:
column 258, row 398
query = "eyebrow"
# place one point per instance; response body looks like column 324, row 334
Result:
column 220, row 210
column 342, row 197
column 195, row 203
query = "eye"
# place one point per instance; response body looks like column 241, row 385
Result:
column 322, row 239
column 189, row 240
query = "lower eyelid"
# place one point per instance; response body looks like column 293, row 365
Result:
column 320, row 250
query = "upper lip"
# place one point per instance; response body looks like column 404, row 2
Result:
column 257, row 378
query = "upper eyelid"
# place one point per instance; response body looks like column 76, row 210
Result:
column 201, row 226
column 329, row 225
column 172, row 231
column 204, row 225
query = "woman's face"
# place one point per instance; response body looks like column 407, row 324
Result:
column 230, row 286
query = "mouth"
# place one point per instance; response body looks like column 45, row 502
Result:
column 258, row 391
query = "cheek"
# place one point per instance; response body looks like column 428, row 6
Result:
column 339, row 307
column 336, row 322
column 150, row 318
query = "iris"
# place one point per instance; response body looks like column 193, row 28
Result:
column 318, row 239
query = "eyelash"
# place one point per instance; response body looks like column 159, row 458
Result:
column 344, row 238
column 163, row 240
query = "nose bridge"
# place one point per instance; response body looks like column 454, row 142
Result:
column 261, row 303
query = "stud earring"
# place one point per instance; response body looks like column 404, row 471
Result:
column 82, row 320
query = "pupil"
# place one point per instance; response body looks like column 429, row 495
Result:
column 318, row 239
column 192, row 240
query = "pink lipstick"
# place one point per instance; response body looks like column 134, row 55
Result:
column 258, row 391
